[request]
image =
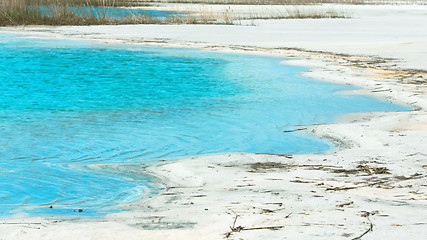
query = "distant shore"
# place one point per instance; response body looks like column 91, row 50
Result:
column 371, row 186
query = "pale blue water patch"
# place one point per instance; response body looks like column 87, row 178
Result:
column 114, row 12
column 66, row 105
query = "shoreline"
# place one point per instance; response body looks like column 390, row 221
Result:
column 374, row 181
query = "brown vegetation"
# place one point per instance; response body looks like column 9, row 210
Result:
column 31, row 12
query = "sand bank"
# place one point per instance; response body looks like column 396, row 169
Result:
column 374, row 179
column 385, row 31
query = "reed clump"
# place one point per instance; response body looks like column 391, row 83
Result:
column 261, row 2
column 230, row 15
column 103, row 12
column 285, row 2
column 297, row 13
column 68, row 12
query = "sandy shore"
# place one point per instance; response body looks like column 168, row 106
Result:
column 373, row 184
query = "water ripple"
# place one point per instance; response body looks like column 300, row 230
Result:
column 66, row 106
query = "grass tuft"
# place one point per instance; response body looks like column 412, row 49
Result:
column 64, row 12
column 259, row 2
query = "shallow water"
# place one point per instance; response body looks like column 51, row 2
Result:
column 66, row 105
column 114, row 13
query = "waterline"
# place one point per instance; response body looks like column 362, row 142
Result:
column 66, row 105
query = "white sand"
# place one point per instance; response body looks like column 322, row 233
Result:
column 375, row 176
column 386, row 31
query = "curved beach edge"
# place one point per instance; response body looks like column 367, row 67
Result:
column 372, row 185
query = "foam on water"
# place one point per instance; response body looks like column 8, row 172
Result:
column 66, row 105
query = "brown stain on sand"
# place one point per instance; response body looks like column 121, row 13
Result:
column 384, row 74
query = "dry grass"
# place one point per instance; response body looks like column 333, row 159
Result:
column 61, row 12
column 102, row 3
column 30, row 12
column 294, row 13
column 256, row 2
column 33, row 12
column 231, row 15
column 280, row 2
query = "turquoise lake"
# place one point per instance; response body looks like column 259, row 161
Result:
column 65, row 105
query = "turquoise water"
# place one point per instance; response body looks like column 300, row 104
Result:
column 66, row 105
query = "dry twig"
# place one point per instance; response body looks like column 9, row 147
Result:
column 370, row 229
column 240, row 228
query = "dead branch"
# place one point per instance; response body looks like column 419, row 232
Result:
column 340, row 188
column 370, row 229
column 235, row 219
column 345, row 204
column 363, row 234
column 295, row 130
column 259, row 228
column 240, row 228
